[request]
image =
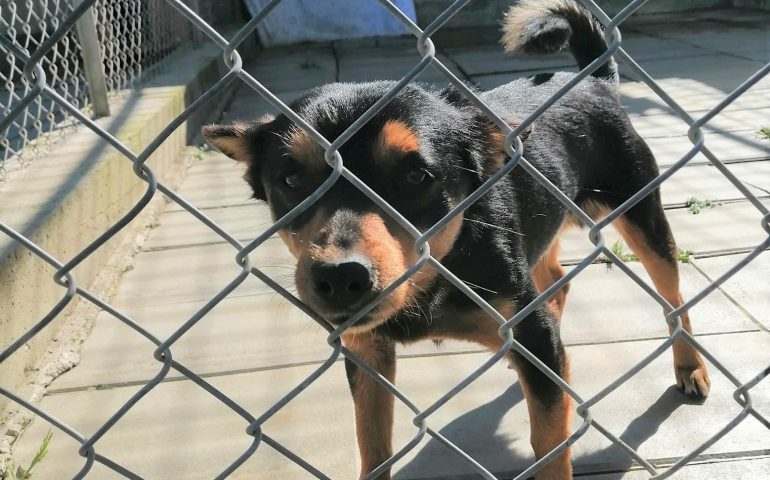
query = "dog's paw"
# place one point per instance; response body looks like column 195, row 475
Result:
column 693, row 381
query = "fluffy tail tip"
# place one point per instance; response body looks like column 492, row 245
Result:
column 530, row 26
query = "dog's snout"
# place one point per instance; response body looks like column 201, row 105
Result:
column 342, row 285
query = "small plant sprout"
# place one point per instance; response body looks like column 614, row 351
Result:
column 764, row 132
column 21, row 473
column 696, row 205
column 619, row 249
column 684, row 256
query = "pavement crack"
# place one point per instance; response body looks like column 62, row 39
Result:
column 310, row 363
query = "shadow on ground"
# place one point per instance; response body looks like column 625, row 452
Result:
column 488, row 417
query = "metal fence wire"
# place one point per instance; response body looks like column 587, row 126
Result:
column 134, row 37
column 45, row 90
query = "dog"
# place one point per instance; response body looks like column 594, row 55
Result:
column 425, row 152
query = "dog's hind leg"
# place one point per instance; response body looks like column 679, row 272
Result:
column 645, row 229
column 372, row 402
column 548, row 271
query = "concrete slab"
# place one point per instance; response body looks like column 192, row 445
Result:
column 485, row 60
column 182, row 229
column 755, row 118
column 705, row 182
column 693, row 95
column 246, row 218
column 738, row 469
column 726, row 146
column 669, row 125
column 488, row 419
column 245, row 222
column 370, row 64
column 214, row 182
column 748, row 287
column 646, row 47
column 631, row 314
column 171, row 276
column 258, row 332
column 728, row 227
column 754, row 42
column 292, row 68
column 249, row 105
column 248, row 333
column 491, row 59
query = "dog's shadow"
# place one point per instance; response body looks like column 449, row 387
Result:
column 483, row 423
column 482, row 426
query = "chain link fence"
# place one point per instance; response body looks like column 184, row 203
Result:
column 134, row 36
column 43, row 90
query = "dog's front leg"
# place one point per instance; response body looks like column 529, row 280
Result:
column 549, row 407
column 373, row 403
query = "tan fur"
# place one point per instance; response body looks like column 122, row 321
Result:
column 548, row 271
column 373, row 403
column 479, row 327
column 232, row 146
column 395, row 140
column 549, row 427
column 304, row 149
column 524, row 12
column 299, row 242
column 496, row 141
column 689, row 367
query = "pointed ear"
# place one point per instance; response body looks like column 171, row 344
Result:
column 496, row 142
column 236, row 140
column 243, row 142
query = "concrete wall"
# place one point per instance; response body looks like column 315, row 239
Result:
column 76, row 192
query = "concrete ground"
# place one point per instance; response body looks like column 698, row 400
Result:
column 255, row 347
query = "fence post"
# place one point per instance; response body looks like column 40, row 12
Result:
column 197, row 34
column 92, row 59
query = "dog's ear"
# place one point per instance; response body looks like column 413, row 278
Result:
column 237, row 140
column 495, row 141
column 242, row 142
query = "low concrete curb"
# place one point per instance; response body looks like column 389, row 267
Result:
column 70, row 197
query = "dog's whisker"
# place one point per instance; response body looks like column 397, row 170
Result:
column 494, row 226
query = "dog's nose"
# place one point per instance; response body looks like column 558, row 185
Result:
column 343, row 285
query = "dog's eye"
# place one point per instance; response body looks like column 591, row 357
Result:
column 419, row 176
column 293, row 181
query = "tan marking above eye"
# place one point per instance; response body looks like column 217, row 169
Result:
column 303, row 148
column 395, row 139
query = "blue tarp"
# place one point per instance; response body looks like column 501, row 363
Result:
column 295, row 21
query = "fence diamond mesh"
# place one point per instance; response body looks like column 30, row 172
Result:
column 134, row 37
column 40, row 86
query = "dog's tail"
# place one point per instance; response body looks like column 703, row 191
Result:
column 549, row 26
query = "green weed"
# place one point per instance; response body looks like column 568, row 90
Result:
column 20, row 473
column 696, row 205
column 764, row 132
column 619, row 249
column 684, row 256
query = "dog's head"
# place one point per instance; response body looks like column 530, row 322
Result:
column 423, row 154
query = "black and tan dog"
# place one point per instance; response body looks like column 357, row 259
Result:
column 424, row 153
